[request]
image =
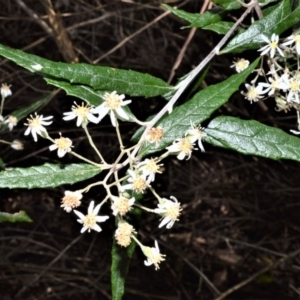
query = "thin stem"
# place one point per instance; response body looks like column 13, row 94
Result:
column 144, row 208
column 5, row 142
column 104, row 166
column 119, row 134
column 2, row 105
column 92, row 144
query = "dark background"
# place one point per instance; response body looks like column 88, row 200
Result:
column 241, row 214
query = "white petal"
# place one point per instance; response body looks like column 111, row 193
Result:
column 91, row 207
column 83, row 229
column 53, row 147
column 96, row 209
column 97, row 228
column 121, row 112
column 79, row 214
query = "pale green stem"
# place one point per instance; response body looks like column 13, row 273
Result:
column 119, row 135
column 104, row 166
column 93, row 145
column 5, row 142
column 144, row 208
column 155, row 194
column 137, row 241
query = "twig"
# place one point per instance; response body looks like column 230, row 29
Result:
column 179, row 58
column 255, row 275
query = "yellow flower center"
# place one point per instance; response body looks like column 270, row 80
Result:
column 70, row 201
column 173, row 212
column 139, row 184
column 152, row 166
column 123, row 234
column 112, row 101
column 81, row 111
column 34, row 122
column 122, row 205
column 294, row 86
column 252, row 94
column 63, row 143
column 185, row 146
column 12, row 120
column 89, row 221
column 155, row 135
column 273, row 45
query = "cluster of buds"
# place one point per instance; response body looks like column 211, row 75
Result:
column 138, row 178
column 281, row 79
column 9, row 121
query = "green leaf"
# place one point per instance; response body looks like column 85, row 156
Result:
column 228, row 4
column 277, row 21
column 26, row 111
column 83, row 92
column 120, row 264
column 47, row 175
column 13, row 218
column 219, row 27
column 196, row 110
column 252, row 138
column 99, row 78
column 196, row 19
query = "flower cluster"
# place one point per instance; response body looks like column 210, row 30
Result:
column 127, row 191
column 280, row 79
column 9, row 121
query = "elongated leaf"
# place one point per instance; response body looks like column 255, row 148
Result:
column 219, row 27
column 26, row 111
column 100, row 78
column 277, row 21
column 196, row 110
column 120, row 263
column 228, row 4
column 83, row 92
column 47, row 175
column 13, row 218
column 196, row 19
column 252, row 137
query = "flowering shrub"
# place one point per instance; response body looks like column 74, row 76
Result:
column 174, row 130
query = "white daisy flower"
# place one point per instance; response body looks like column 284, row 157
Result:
column 272, row 46
column 121, row 205
column 149, row 167
column 169, row 210
column 240, row 64
column 182, row 147
column 123, row 234
column 82, row 113
column 36, row 125
column 254, row 93
column 275, row 84
column 17, row 145
column 90, row 220
column 63, row 145
column 113, row 105
column 71, row 200
column 196, row 133
column 11, row 121
column 294, row 38
column 154, row 257
column 137, row 183
column 293, row 90
column 5, row 90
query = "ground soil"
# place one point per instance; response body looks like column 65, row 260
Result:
column 239, row 228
